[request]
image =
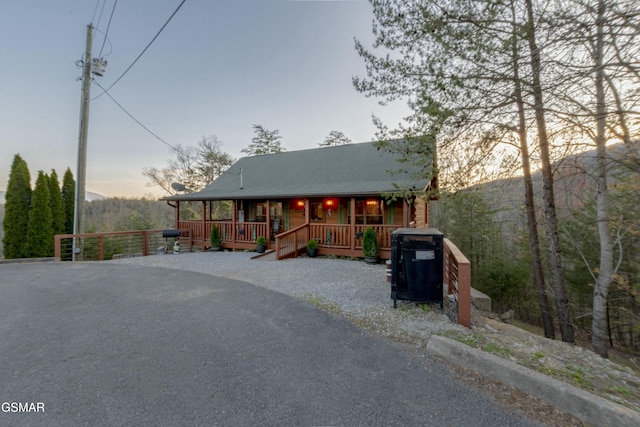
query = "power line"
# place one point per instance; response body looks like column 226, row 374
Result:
column 143, row 50
column 134, row 119
column 94, row 11
column 101, row 11
column 106, row 33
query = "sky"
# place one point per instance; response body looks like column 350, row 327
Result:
column 217, row 68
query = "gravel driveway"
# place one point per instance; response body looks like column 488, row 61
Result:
column 353, row 289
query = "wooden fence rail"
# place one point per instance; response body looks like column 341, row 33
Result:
column 457, row 278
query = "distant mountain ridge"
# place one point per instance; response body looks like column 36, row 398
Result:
column 573, row 183
column 89, row 196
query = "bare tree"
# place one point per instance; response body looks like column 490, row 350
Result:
column 598, row 50
column 195, row 167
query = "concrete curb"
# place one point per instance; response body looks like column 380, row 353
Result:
column 583, row 405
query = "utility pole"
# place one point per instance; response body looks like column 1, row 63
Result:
column 78, row 209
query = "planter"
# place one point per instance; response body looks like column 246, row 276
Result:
column 261, row 248
column 312, row 253
column 371, row 259
column 215, row 249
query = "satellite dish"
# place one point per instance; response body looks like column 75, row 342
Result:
column 178, row 187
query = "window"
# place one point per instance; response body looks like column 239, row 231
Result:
column 369, row 212
column 317, row 211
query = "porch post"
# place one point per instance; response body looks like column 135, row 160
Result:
column 307, row 211
column 268, row 236
column 405, row 213
column 233, row 220
column 204, row 224
column 352, row 221
column 177, row 214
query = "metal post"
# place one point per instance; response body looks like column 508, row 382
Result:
column 78, row 210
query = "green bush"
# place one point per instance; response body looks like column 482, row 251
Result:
column 312, row 244
column 369, row 243
column 261, row 241
column 216, row 240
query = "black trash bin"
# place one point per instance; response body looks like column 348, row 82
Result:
column 416, row 265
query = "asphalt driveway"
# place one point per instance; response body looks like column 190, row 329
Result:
column 107, row 344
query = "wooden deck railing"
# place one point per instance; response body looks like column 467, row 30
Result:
column 457, row 278
column 244, row 232
column 293, row 242
column 343, row 239
column 343, row 235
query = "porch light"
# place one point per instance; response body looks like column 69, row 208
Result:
column 300, row 205
column 372, row 203
column 330, row 203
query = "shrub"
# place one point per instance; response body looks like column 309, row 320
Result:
column 216, row 240
column 369, row 243
column 312, row 244
column 261, row 241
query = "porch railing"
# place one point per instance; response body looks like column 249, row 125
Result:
column 457, row 278
column 293, row 242
column 341, row 236
column 244, row 232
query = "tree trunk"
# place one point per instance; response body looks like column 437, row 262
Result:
column 562, row 302
column 599, row 327
column 534, row 241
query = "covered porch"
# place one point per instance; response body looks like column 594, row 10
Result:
column 337, row 223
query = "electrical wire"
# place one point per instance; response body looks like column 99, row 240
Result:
column 101, row 12
column 107, row 40
column 94, row 11
column 143, row 51
column 106, row 33
column 133, row 118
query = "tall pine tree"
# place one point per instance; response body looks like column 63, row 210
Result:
column 18, row 203
column 68, row 200
column 57, row 206
column 40, row 232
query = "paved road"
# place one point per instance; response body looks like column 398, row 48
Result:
column 105, row 344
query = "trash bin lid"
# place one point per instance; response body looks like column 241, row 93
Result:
column 417, row 232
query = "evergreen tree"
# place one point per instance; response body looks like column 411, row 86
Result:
column 335, row 138
column 18, row 202
column 68, row 200
column 57, row 206
column 265, row 142
column 40, row 232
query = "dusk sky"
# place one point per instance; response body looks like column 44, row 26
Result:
column 217, row 68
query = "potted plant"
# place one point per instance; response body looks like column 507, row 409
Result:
column 370, row 246
column 216, row 240
column 261, row 244
column 312, row 248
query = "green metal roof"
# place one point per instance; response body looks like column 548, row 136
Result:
column 347, row 170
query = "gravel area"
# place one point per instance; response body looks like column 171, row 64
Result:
column 353, row 289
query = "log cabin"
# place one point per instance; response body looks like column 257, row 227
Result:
column 329, row 194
